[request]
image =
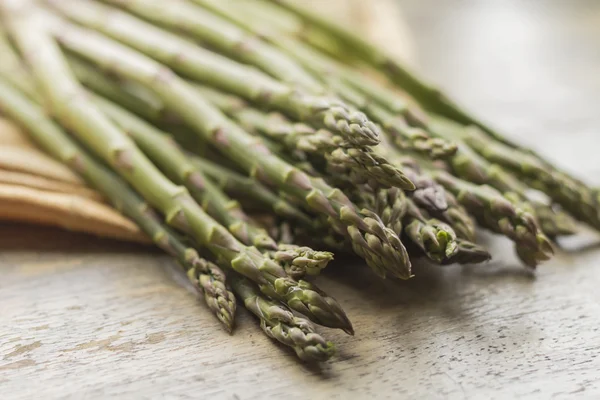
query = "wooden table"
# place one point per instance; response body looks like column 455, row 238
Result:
column 87, row 318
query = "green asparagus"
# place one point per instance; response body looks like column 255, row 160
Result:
column 498, row 214
column 468, row 253
column 281, row 325
column 363, row 163
column 212, row 69
column 382, row 105
column 469, row 165
column 205, row 275
column 69, row 103
column 300, row 261
column 458, row 218
column 428, row 193
column 223, row 36
column 383, row 249
column 240, row 186
column 436, row 239
column 164, row 152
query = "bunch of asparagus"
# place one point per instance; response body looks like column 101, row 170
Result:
column 203, row 114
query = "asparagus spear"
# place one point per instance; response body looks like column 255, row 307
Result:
column 469, row 165
column 275, row 19
column 393, row 112
column 363, row 163
column 280, row 324
column 435, row 238
column 68, row 103
column 553, row 222
column 222, row 35
column 210, row 68
column 468, row 253
column 428, row 193
column 578, row 199
column 570, row 193
column 297, row 261
column 432, row 196
column 406, row 137
column 458, row 218
column 131, row 97
column 11, row 67
column 165, row 153
column 498, row 214
column 205, row 275
column 392, row 206
column 382, row 249
column 240, row 186
column 281, row 230
column 574, row 195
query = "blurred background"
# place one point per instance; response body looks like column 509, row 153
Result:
column 528, row 67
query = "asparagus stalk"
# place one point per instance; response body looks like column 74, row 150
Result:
column 68, row 103
column 129, row 96
column 164, row 152
column 222, row 35
column 276, row 127
column 375, row 168
column 389, row 109
column 240, row 186
column 247, row 16
column 574, row 195
column 205, row 275
column 273, row 125
column 553, row 222
column 297, row 261
column 12, row 67
column 210, row 68
column 280, row 324
column 363, row 163
column 469, row 165
column 498, row 214
column 273, row 19
column 382, row 249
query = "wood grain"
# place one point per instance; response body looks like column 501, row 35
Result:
column 85, row 318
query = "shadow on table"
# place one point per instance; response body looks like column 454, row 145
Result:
column 431, row 283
